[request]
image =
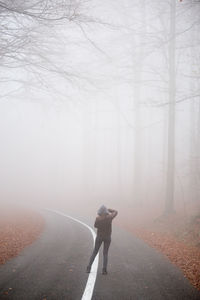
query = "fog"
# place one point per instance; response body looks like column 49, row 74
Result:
column 103, row 108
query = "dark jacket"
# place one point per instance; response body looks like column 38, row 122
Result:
column 104, row 224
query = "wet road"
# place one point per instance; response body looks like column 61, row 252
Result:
column 53, row 267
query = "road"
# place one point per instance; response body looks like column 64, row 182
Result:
column 53, row 268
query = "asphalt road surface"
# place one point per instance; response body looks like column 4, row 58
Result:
column 53, row 267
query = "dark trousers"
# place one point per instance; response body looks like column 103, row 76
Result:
column 106, row 244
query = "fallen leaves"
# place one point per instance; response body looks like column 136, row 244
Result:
column 181, row 249
column 17, row 230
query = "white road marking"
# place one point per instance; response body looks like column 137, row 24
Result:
column 87, row 295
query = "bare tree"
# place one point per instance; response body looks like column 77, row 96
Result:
column 169, row 207
column 23, row 21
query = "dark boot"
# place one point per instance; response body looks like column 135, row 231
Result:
column 104, row 271
column 88, row 269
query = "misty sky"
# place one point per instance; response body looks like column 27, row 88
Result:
column 87, row 95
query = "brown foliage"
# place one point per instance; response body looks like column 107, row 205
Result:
column 178, row 239
column 17, row 230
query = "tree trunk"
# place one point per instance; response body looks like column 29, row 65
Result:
column 169, row 203
column 139, row 61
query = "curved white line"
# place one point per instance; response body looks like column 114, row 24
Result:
column 87, row 295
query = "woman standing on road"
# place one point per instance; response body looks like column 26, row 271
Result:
column 103, row 223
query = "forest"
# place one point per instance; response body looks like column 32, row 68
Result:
column 100, row 101
column 100, row 104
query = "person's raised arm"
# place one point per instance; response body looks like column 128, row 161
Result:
column 113, row 212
